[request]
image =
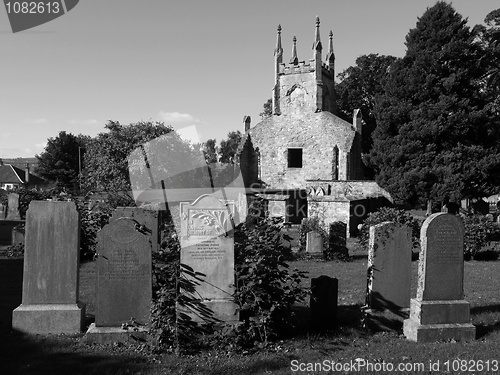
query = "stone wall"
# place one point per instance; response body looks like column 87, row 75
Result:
column 316, row 134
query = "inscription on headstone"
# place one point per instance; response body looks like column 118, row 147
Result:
column 124, row 286
column 208, row 247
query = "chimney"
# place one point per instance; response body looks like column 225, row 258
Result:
column 246, row 120
column 27, row 173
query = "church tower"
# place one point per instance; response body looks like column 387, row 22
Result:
column 302, row 87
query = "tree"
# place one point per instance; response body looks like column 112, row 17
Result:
column 358, row 87
column 436, row 136
column 60, row 161
column 268, row 109
column 228, row 147
column 210, row 150
column 106, row 165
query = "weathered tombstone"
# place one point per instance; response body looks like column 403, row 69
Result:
column 439, row 311
column 389, row 276
column 51, row 259
column 2, row 212
column 314, row 244
column 18, row 234
column 207, row 246
column 323, row 303
column 13, row 207
column 124, row 275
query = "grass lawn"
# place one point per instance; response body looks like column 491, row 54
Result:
column 63, row 354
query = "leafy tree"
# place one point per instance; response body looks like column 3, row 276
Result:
column 358, row 87
column 268, row 109
column 106, row 166
column 228, row 147
column 60, row 161
column 436, row 137
column 210, row 150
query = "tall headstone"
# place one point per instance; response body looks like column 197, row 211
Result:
column 389, row 275
column 124, row 285
column 314, row 244
column 51, row 260
column 439, row 311
column 13, row 207
column 207, row 247
column 124, row 276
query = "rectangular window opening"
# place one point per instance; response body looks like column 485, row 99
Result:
column 294, row 158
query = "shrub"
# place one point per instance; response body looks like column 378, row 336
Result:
column 389, row 214
column 479, row 231
column 266, row 289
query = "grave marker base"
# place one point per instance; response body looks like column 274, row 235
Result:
column 49, row 318
column 439, row 320
column 104, row 335
column 386, row 320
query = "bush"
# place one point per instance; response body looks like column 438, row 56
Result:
column 389, row 214
column 479, row 231
column 266, row 289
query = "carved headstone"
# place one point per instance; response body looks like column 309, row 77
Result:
column 389, row 275
column 50, row 282
column 207, row 246
column 439, row 311
column 13, row 207
column 124, row 286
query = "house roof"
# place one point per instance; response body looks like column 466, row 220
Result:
column 14, row 175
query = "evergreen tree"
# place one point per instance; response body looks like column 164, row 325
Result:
column 436, row 137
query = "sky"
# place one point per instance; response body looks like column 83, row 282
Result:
column 202, row 63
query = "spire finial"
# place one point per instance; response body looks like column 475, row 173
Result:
column 317, row 41
column 278, row 50
column 330, row 56
column 294, row 60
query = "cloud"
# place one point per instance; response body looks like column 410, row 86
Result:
column 6, row 135
column 176, row 117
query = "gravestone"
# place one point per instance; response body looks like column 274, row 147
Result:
column 207, row 246
column 124, row 276
column 18, row 234
column 389, row 276
column 13, row 207
column 51, row 260
column 439, row 311
column 323, row 303
column 314, row 244
column 2, row 212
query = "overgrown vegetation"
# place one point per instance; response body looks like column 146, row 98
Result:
column 389, row 214
column 266, row 290
column 479, row 231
